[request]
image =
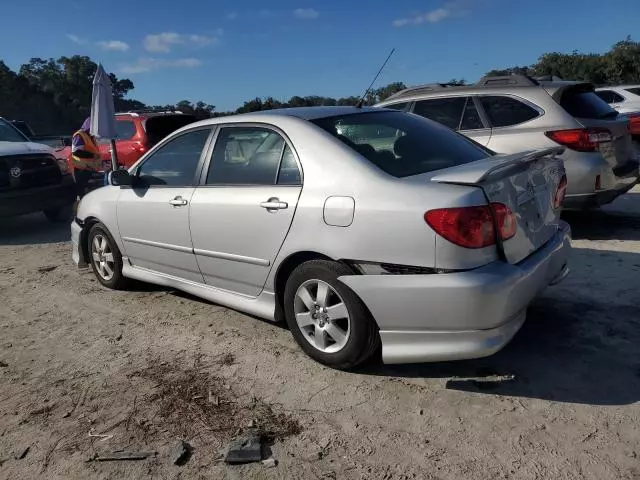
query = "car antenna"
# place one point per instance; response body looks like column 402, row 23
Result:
column 364, row 95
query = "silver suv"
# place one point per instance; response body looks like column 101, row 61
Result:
column 516, row 113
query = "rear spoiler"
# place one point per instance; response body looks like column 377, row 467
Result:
column 498, row 166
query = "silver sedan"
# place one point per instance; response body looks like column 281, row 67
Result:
column 360, row 227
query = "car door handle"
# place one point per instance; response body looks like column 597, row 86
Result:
column 274, row 204
column 178, row 202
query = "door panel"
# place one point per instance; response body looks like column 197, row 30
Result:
column 235, row 239
column 154, row 228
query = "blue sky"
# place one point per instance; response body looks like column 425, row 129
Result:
column 225, row 52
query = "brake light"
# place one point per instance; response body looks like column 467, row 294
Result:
column 472, row 227
column 581, row 139
column 140, row 147
column 561, row 192
column 634, row 123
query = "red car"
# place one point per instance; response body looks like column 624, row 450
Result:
column 137, row 131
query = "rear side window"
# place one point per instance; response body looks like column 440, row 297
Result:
column 634, row 90
column 507, row 111
column 471, row 118
column 609, row 96
column 402, row 145
column 125, row 129
column 447, row 111
column 584, row 103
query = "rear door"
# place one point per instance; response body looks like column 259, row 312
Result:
column 581, row 102
column 242, row 211
column 526, row 184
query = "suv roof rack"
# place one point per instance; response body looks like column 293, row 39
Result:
column 422, row 88
column 516, row 80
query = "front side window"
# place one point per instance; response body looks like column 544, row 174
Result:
column 447, row 111
column 175, row 163
column 507, row 111
column 402, row 145
column 252, row 156
column 398, row 106
column 471, row 118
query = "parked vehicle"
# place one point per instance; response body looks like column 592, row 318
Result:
column 57, row 142
column 624, row 98
column 514, row 113
column 31, row 179
column 137, row 132
column 359, row 226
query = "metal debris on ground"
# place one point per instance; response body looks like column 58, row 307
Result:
column 180, row 453
column 245, row 448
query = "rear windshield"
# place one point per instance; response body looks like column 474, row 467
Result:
column 580, row 103
column 634, row 90
column 402, row 144
column 160, row 126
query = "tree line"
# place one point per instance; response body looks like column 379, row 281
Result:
column 54, row 95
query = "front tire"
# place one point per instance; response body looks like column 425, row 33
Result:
column 327, row 319
column 105, row 258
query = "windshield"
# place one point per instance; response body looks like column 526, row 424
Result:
column 8, row 133
column 402, row 144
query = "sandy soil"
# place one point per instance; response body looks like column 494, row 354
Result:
column 151, row 366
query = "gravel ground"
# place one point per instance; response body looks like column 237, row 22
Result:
column 145, row 368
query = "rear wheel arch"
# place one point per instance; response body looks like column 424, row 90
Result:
column 87, row 224
column 286, row 267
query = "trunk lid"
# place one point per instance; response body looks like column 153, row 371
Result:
column 527, row 184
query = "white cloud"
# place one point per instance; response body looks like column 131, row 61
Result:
column 232, row 15
column 76, row 39
column 453, row 8
column 164, row 42
column 305, row 13
column 114, row 45
column 149, row 64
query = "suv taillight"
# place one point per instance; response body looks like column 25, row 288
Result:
column 472, row 227
column 141, row 147
column 561, row 192
column 634, row 123
column 581, row 139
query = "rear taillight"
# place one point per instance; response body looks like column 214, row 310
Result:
column 141, row 147
column 472, row 227
column 581, row 139
column 561, row 192
column 634, row 123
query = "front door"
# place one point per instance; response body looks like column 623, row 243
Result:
column 153, row 215
column 241, row 214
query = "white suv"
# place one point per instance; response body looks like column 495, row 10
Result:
column 625, row 99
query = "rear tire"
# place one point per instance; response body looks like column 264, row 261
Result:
column 327, row 319
column 105, row 258
column 59, row 215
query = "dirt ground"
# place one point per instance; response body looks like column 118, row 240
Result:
column 140, row 370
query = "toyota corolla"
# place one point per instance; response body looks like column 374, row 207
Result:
column 359, row 227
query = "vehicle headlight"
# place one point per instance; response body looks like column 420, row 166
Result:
column 62, row 165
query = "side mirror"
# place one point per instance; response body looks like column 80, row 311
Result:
column 120, row 178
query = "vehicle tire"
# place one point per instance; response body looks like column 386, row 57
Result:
column 327, row 319
column 105, row 258
column 59, row 215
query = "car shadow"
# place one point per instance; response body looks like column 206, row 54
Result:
column 618, row 221
column 33, row 230
column 576, row 346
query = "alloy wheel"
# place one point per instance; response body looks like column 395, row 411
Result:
column 102, row 257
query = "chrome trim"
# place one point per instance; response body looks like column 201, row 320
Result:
column 150, row 243
column 232, row 257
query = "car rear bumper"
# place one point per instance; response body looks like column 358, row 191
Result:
column 621, row 181
column 37, row 199
column 453, row 316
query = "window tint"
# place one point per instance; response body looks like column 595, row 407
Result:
column 175, row 163
column 125, row 129
column 507, row 111
column 447, row 111
column 402, row 145
column 397, row 106
column 8, row 133
column 471, row 118
column 246, row 156
column 609, row 96
column 289, row 173
column 584, row 103
column 634, row 90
